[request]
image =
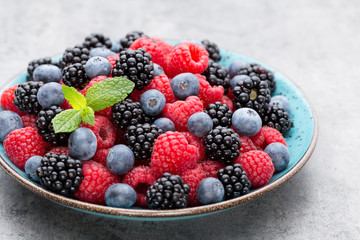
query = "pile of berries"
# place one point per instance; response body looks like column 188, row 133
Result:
column 191, row 132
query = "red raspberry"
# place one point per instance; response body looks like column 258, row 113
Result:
column 197, row 142
column 180, row 111
column 66, row 105
column 97, row 179
column 226, row 100
column 60, row 150
column 151, row 47
column 120, row 136
column 187, row 57
column 140, row 178
column 160, row 83
column 207, row 93
column 23, row 143
column 164, row 46
column 211, row 167
column 7, row 98
column 172, row 153
column 193, row 177
column 104, row 131
column 258, row 166
column 29, row 120
column 266, row 136
column 112, row 60
column 100, row 156
column 246, row 144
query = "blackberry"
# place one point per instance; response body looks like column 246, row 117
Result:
column 168, row 192
column 217, row 75
column 35, row 63
column 126, row 113
column 220, row 114
column 222, row 144
column 77, row 54
column 235, row 181
column 252, row 93
column 141, row 139
column 135, row 65
column 96, row 40
column 212, row 49
column 45, row 127
column 60, row 174
column 125, row 42
column 254, row 69
column 26, row 97
column 74, row 76
column 276, row 117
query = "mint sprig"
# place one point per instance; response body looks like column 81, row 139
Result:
column 100, row 96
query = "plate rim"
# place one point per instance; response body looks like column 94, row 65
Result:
column 147, row 214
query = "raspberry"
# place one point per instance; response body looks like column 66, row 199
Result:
column 193, row 177
column 23, row 143
column 151, row 47
column 211, row 167
column 207, row 93
column 164, row 46
column 226, row 100
column 29, row 120
column 60, row 150
column 160, row 83
column 100, row 156
column 246, row 144
column 97, row 179
column 197, row 142
column 258, row 165
column 104, row 131
column 180, row 111
column 172, row 153
column 112, row 60
column 187, row 57
column 7, row 100
column 120, row 136
column 140, row 178
column 266, row 136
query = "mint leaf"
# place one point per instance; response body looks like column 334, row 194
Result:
column 108, row 92
column 67, row 121
column 88, row 116
column 76, row 99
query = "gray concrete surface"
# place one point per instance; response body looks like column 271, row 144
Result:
column 317, row 43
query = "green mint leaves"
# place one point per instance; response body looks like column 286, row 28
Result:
column 100, row 96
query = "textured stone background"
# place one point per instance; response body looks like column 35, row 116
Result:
column 314, row 42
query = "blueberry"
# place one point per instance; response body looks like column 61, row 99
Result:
column 116, row 47
column 185, row 85
column 158, row 70
column 236, row 79
column 102, row 52
column 97, row 66
column 120, row 159
column 31, row 165
column 279, row 155
column 210, row 190
column 235, row 67
column 246, row 121
column 9, row 121
column 50, row 94
column 120, row 195
column 281, row 101
column 82, row 144
column 47, row 73
column 165, row 124
column 200, row 124
column 152, row 102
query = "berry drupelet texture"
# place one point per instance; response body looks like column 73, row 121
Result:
column 74, row 76
column 220, row 114
column 96, row 40
column 37, row 62
column 60, row 174
column 135, row 65
column 141, row 139
column 213, row 50
column 168, row 192
column 77, row 54
column 222, row 144
column 125, row 42
column 235, row 181
column 126, row 113
column 217, row 75
column 26, row 97
column 276, row 117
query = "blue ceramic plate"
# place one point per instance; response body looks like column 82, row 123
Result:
column 301, row 140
